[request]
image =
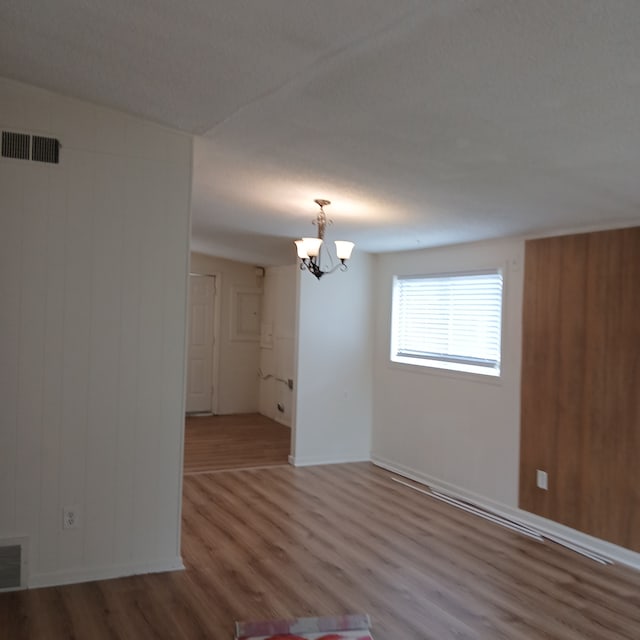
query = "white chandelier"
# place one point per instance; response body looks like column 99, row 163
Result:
column 310, row 249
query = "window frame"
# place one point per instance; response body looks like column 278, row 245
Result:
column 446, row 365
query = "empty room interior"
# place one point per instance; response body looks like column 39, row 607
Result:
column 425, row 411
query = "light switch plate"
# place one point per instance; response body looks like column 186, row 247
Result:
column 542, row 480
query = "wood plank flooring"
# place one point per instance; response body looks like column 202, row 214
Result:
column 323, row 540
column 241, row 441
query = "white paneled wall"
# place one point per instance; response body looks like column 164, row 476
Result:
column 333, row 412
column 459, row 431
column 94, row 255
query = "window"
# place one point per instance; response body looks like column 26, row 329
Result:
column 448, row 321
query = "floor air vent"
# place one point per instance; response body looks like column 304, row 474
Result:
column 26, row 147
column 15, row 145
column 10, row 567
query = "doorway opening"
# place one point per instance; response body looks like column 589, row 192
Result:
column 240, row 359
column 237, row 441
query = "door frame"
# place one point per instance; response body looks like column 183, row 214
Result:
column 215, row 356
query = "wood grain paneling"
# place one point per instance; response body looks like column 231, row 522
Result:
column 581, row 382
column 286, row 541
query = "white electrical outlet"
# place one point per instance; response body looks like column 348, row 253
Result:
column 542, row 480
column 71, row 517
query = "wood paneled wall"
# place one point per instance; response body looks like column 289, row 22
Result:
column 580, row 418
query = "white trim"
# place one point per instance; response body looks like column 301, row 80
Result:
column 413, row 369
column 554, row 529
column 104, row 573
column 311, row 461
column 481, row 513
column 441, row 365
column 462, row 363
column 590, row 227
column 217, row 340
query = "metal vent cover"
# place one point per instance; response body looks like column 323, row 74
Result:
column 45, row 149
column 10, row 566
column 24, row 146
column 15, row 145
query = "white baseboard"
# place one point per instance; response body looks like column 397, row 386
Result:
column 104, row 573
column 311, row 461
column 607, row 549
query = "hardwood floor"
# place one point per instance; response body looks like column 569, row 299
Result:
column 212, row 443
column 327, row 540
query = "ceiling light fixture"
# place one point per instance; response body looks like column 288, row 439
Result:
column 310, row 249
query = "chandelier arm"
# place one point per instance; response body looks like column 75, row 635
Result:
column 314, row 269
column 341, row 265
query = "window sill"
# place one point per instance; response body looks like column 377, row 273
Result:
column 447, row 369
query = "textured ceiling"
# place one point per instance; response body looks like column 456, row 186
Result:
column 425, row 123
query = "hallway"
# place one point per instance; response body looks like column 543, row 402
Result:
column 240, row 441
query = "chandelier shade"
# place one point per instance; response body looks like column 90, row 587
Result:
column 309, row 247
column 344, row 249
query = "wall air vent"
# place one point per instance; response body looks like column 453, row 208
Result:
column 27, row 147
column 45, row 150
column 15, row 145
column 10, row 566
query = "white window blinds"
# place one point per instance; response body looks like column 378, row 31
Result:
column 449, row 318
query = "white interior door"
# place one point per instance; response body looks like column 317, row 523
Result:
column 202, row 291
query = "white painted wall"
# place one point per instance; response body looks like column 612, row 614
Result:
column 277, row 352
column 94, row 255
column 457, row 430
column 236, row 378
column 333, row 401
